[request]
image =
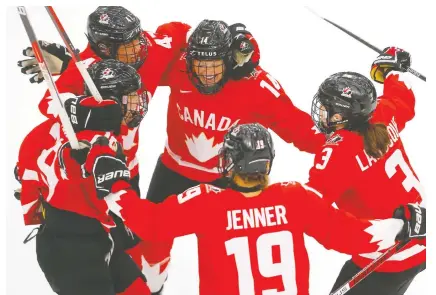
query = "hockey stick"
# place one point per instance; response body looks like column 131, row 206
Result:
column 74, row 54
column 369, row 269
column 67, row 127
column 408, row 69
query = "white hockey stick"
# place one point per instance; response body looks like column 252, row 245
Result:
column 71, row 49
column 66, row 124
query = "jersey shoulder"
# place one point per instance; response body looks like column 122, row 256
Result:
column 286, row 188
column 199, row 193
column 173, row 29
column 261, row 85
column 344, row 140
column 37, row 137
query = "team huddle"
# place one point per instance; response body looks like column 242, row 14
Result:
column 98, row 236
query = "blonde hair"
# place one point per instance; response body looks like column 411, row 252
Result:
column 251, row 180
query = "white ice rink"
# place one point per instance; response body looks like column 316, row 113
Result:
column 297, row 48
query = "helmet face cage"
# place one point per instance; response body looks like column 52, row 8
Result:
column 209, row 56
column 115, row 33
column 133, row 52
column 208, row 76
column 321, row 113
column 134, row 107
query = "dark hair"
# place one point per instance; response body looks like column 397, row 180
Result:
column 376, row 139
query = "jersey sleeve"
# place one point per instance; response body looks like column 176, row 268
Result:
column 70, row 81
column 179, row 33
column 398, row 100
column 32, row 183
column 178, row 215
column 276, row 111
column 338, row 230
column 332, row 172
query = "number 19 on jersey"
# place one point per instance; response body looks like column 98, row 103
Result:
column 239, row 247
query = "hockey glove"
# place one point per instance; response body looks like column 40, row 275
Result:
column 392, row 59
column 17, row 192
column 86, row 113
column 56, row 56
column 245, row 52
column 414, row 218
column 107, row 164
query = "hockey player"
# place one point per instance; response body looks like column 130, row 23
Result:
column 73, row 245
column 114, row 32
column 107, row 24
column 363, row 166
column 250, row 235
column 206, row 99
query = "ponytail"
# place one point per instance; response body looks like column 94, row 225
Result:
column 376, row 139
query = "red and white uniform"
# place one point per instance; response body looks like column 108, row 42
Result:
column 42, row 154
column 255, row 245
column 162, row 49
column 371, row 188
column 197, row 123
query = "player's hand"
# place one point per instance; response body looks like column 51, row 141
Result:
column 392, row 59
column 56, row 56
column 107, row 164
column 245, row 51
column 414, row 218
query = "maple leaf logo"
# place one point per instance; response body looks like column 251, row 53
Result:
column 155, row 276
column 112, row 202
column 129, row 139
column 202, row 148
column 384, row 232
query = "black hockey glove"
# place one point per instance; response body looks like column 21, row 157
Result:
column 392, row 59
column 242, row 52
column 56, row 56
column 17, row 192
column 107, row 164
column 86, row 113
column 414, row 218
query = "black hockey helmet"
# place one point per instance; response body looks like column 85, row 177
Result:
column 210, row 41
column 247, row 149
column 117, row 80
column 349, row 94
column 114, row 32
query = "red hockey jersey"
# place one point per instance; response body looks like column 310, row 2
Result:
column 253, row 245
column 197, row 123
column 371, row 188
column 49, row 173
column 162, row 49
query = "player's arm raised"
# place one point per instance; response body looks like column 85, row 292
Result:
column 179, row 33
column 275, row 110
column 398, row 98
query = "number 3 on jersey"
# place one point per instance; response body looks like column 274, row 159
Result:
column 239, row 247
column 326, row 153
column 397, row 160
